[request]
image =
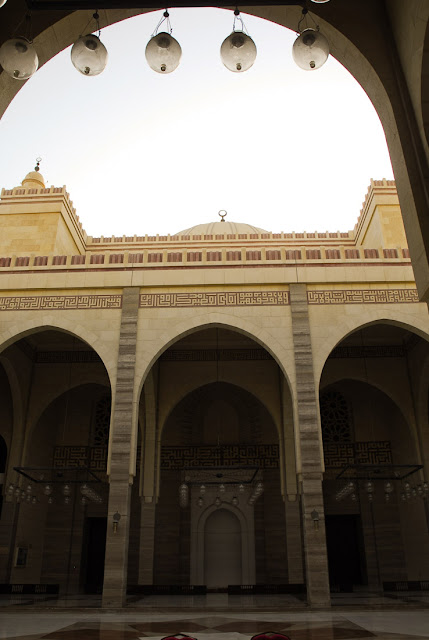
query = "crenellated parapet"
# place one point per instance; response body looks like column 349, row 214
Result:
column 39, row 219
column 380, row 219
column 150, row 258
column 39, row 229
column 216, row 238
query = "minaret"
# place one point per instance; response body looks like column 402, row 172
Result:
column 38, row 220
column 34, row 179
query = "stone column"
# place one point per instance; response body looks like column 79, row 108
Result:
column 148, row 478
column 316, row 561
column 116, row 562
column 294, row 542
column 147, row 543
column 290, row 491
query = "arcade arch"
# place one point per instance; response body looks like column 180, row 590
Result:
column 370, row 392
column 378, row 56
column 327, row 337
column 219, row 406
column 59, row 381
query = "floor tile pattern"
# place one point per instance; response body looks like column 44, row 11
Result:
column 308, row 625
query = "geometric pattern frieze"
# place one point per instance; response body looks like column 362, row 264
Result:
column 358, row 351
column 215, row 299
column 94, row 458
column 373, row 452
column 339, row 455
column 362, row 296
column 263, row 456
column 61, row 357
column 211, row 355
column 54, row 303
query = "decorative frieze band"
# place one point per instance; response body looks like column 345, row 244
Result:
column 366, row 351
column 61, row 357
column 265, row 456
column 362, row 296
column 57, row 303
column 94, row 458
column 216, row 299
column 341, row 454
column 211, row 355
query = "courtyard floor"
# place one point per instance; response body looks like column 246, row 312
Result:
column 215, row 617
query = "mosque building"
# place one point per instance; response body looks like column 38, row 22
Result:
column 222, row 408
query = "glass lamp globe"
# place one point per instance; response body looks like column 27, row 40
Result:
column 18, row 58
column 163, row 53
column 89, row 55
column 2, row 3
column 320, row 1
column 310, row 50
column 238, row 51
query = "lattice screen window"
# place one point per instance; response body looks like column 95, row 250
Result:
column 335, row 417
column 100, row 434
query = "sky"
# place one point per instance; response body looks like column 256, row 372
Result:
column 140, row 152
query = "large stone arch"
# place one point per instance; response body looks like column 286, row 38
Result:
column 48, row 401
column 205, row 386
column 166, row 412
column 15, row 389
column 192, row 324
column 357, row 377
column 49, row 323
column 26, row 414
column 409, row 395
column 376, row 421
column 284, row 424
column 370, row 55
column 349, row 324
column 402, row 430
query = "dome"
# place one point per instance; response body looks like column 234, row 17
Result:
column 219, row 228
column 34, row 179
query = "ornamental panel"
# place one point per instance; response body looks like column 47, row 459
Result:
column 362, row 296
column 262, row 456
column 56, row 303
column 216, row 299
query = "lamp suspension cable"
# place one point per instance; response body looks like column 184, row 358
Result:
column 165, row 18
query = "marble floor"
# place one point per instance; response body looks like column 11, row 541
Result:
column 221, row 602
column 322, row 625
column 220, row 618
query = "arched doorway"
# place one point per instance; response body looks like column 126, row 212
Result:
column 374, row 494
column 222, row 550
column 57, row 429
column 221, row 393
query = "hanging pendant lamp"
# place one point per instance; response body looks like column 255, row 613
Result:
column 88, row 54
column 163, row 52
column 311, row 48
column 238, row 51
